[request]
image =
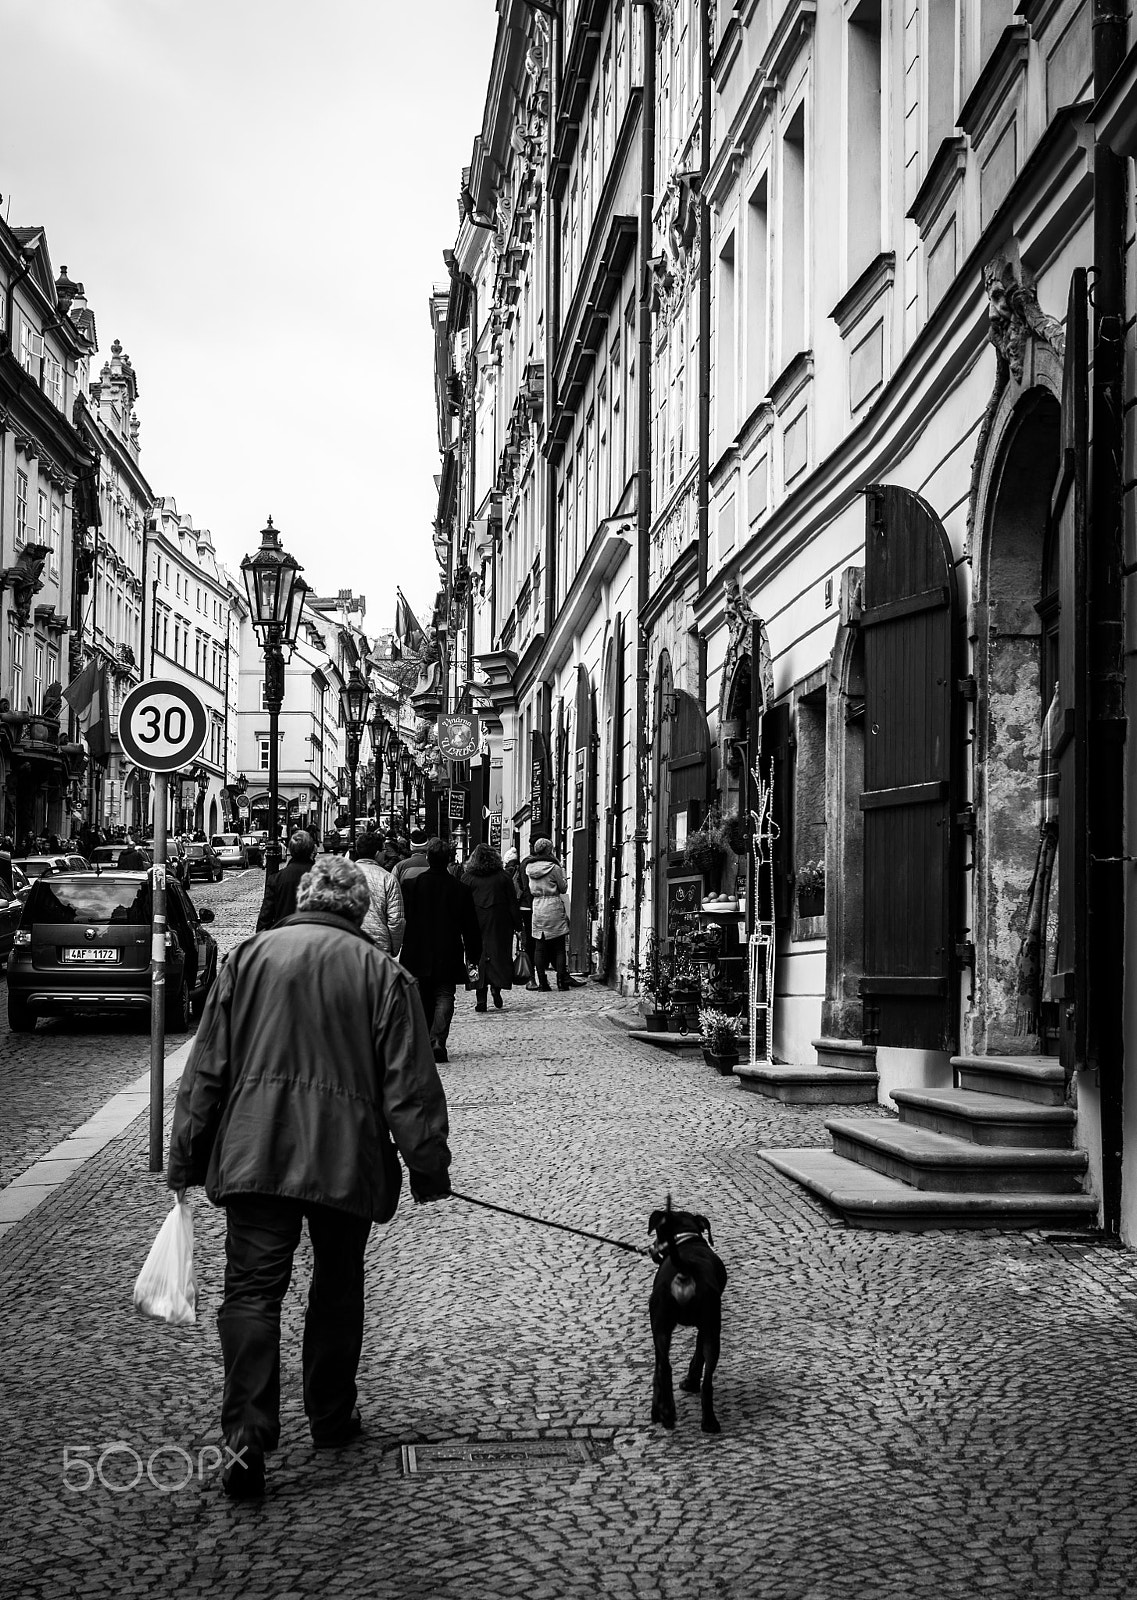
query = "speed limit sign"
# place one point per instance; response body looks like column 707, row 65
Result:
column 162, row 725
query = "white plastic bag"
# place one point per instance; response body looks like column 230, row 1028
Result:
column 165, row 1286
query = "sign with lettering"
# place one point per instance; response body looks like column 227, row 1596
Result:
column 456, row 805
column 538, row 784
column 459, row 737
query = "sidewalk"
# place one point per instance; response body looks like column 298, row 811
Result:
column 902, row 1416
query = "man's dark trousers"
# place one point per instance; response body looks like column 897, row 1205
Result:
column 262, row 1235
column 438, row 1003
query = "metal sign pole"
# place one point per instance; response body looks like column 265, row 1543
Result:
column 158, row 974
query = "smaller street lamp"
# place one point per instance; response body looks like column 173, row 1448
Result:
column 355, row 702
column 391, row 755
column 276, row 600
column 202, row 776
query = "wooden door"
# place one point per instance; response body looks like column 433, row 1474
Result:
column 581, row 796
column 613, row 852
column 688, row 772
column 1068, row 519
column 911, row 641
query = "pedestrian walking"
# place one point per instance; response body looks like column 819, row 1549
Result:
column 499, row 918
column 415, row 863
column 520, row 880
column 547, row 885
column 384, row 921
column 312, row 1054
column 389, row 856
column 441, row 924
column 280, row 890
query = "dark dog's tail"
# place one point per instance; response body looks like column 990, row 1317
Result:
column 682, row 1284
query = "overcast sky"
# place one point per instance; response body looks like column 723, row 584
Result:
column 256, row 195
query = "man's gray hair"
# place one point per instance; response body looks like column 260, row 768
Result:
column 302, row 846
column 336, row 885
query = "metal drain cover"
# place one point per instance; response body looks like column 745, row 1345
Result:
column 495, row 1455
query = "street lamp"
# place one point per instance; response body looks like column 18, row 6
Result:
column 355, row 702
column 276, row 600
column 202, row 776
column 393, row 749
column 407, row 771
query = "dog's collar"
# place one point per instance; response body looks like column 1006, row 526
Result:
column 659, row 1251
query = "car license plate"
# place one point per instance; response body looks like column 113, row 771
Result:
column 99, row 954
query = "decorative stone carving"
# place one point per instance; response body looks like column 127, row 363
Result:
column 52, row 698
column 25, row 579
column 739, row 617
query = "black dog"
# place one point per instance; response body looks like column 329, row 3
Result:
column 687, row 1292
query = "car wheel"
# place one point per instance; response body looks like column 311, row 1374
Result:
column 21, row 1017
column 220, row 875
column 177, row 1008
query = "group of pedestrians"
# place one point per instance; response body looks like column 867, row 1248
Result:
column 314, row 1068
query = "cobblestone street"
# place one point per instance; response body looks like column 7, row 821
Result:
column 947, row 1414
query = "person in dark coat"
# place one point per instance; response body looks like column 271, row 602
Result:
column 499, row 918
column 441, row 921
column 311, row 1057
column 415, row 862
column 280, row 890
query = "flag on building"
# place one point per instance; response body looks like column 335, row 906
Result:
column 89, row 698
column 408, row 634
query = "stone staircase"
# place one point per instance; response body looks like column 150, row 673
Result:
column 997, row 1151
column 844, row 1074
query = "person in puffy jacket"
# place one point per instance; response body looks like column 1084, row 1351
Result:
column 311, row 1064
column 384, row 921
column 547, row 885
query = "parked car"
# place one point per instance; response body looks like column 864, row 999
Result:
column 202, row 861
column 42, row 866
column 11, row 908
column 14, row 882
column 83, row 944
column 255, row 844
column 177, row 861
column 230, row 849
column 110, row 855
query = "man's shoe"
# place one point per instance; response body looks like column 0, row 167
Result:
column 533, row 984
column 480, row 1006
column 543, row 985
column 244, row 1477
column 440, row 1053
column 497, row 999
column 351, row 1429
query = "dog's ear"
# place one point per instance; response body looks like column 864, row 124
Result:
column 654, row 1221
column 704, row 1227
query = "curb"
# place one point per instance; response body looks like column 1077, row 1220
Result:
column 30, row 1188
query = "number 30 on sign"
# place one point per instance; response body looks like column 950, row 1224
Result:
column 162, row 725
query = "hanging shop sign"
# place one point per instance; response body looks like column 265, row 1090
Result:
column 539, row 783
column 459, row 737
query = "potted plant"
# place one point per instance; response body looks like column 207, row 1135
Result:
column 704, row 849
column 736, row 833
column 657, row 986
column 811, row 888
column 719, row 1037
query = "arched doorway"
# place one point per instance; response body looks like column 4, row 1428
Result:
column 1016, row 661
column 213, row 825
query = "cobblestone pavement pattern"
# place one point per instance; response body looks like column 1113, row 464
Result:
column 55, row 1078
column 946, row 1415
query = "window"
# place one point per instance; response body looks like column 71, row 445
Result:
column 757, row 243
column 31, row 346
column 793, row 239
column 941, row 69
column 16, row 657
column 42, row 526
column 37, row 676
column 264, row 749
column 725, row 384
column 56, row 535
column 53, row 380
column 862, row 142
column 21, row 507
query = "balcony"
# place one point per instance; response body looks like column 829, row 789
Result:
column 37, row 741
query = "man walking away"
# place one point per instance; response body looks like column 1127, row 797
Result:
column 412, row 865
column 311, row 1054
column 440, row 921
column 384, row 920
column 547, row 884
column 280, row 891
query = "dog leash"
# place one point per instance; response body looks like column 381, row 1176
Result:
column 564, row 1227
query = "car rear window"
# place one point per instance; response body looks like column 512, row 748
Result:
column 93, row 900
column 195, row 850
column 225, row 838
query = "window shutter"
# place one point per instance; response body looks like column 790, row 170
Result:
column 777, row 746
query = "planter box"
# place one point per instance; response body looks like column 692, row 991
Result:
column 656, row 1021
column 724, row 1063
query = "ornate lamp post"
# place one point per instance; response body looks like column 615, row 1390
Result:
column 355, row 702
column 407, row 771
column 276, row 600
column 380, row 737
column 392, row 757
column 202, row 776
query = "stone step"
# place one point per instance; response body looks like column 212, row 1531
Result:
column 989, row 1119
column 927, row 1160
column 667, row 1041
column 1037, row 1078
column 847, row 1053
column 868, row 1199
column 809, row 1085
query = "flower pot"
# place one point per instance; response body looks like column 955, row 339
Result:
column 656, row 1021
column 724, row 1063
